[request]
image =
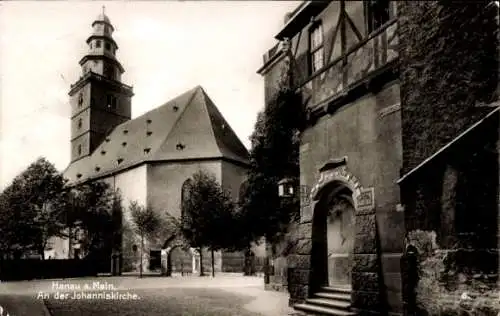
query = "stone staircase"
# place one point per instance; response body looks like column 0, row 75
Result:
column 331, row 301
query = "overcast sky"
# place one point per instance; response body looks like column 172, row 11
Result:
column 166, row 48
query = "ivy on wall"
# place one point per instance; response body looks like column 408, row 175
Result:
column 449, row 64
column 274, row 155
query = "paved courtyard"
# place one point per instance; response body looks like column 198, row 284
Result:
column 224, row 295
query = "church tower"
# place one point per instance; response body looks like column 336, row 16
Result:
column 99, row 100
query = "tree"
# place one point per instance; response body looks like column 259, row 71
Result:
column 274, row 155
column 90, row 211
column 208, row 216
column 7, row 228
column 31, row 207
column 146, row 223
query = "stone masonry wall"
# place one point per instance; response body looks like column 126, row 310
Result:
column 369, row 136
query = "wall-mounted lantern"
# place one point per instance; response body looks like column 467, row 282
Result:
column 286, row 188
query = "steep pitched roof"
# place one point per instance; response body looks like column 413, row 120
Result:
column 187, row 127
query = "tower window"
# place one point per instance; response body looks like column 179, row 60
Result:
column 106, row 29
column 316, row 48
column 80, row 99
column 80, row 123
column 109, row 71
column 108, row 46
column 79, row 150
column 376, row 14
column 111, row 101
column 98, row 44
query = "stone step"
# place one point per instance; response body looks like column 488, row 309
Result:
column 337, row 289
column 329, row 303
column 319, row 310
column 344, row 297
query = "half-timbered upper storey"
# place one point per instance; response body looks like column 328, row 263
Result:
column 335, row 48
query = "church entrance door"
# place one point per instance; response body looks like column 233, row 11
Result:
column 340, row 239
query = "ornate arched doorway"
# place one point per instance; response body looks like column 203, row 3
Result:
column 333, row 235
column 335, row 203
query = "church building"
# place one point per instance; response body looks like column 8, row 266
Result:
column 402, row 137
column 150, row 158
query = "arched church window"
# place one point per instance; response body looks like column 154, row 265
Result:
column 79, row 149
column 79, row 123
column 80, row 99
column 98, row 44
column 185, row 195
column 108, row 46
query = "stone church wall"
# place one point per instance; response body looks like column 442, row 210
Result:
column 159, row 186
column 233, row 177
column 132, row 186
column 165, row 182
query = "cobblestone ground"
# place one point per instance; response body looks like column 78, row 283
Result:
column 223, row 295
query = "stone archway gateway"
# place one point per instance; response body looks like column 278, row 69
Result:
column 179, row 247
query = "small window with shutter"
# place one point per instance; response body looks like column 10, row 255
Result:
column 377, row 13
column 316, row 48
